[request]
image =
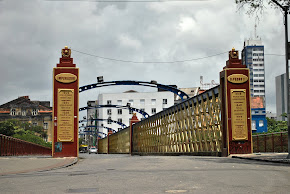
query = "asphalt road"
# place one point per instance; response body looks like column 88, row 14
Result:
column 154, row 174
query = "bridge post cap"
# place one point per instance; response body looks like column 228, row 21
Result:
column 233, row 54
column 66, row 52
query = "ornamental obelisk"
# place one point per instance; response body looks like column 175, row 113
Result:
column 65, row 107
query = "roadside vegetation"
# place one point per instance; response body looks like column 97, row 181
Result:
column 24, row 131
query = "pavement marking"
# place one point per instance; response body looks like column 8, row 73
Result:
column 176, row 191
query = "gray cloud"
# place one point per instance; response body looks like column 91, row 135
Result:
column 33, row 33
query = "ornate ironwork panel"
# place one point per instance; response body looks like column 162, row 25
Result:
column 192, row 127
column 120, row 142
column 103, row 146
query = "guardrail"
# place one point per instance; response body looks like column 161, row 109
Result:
column 103, row 146
column 10, row 146
column 117, row 143
column 271, row 142
column 192, row 127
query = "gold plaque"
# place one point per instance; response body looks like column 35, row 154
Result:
column 65, row 115
column 237, row 78
column 239, row 114
column 66, row 78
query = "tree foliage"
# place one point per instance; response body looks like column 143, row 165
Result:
column 276, row 126
column 24, row 131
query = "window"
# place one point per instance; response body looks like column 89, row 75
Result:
column 130, row 111
column 13, row 111
column 131, row 102
column 109, row 102
column 164, row 101
column 119, row 102
column 153, row 110
column 254, row 125
column 45, row 125
column 34, row 124
column 109, row 111
column 153, row 101
column 119, row 111
column 120, row 120
column 261, row 123
column 23, row 112
column 142, row 101
column 109, row 121
column 34, row 112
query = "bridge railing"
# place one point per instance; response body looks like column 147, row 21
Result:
column 192, row 127
column 270, row 142
column 103, row 146
column 117, row 143
column 10, row 146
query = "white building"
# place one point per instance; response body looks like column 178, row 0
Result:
column 150, row 102
column 281, row 96
column 253, row 58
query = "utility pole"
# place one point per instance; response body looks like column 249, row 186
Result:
column 285, row 11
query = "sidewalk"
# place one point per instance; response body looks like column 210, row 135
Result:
column 24, row 164
column 266, row 157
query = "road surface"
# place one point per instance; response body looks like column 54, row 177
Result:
column 154, row 174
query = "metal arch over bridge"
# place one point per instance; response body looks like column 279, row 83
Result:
column 145, row 114
column 105, row 135
column 117, row 122
column 153, row 84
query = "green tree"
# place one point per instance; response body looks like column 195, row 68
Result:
column 24, row 131
column 31, row 137
column 8, row 127
column 276, row 126
column 81, row 141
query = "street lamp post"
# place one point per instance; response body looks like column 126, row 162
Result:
column 285, row 10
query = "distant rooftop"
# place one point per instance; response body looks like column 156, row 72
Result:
column 257, row 102
column 253, row 43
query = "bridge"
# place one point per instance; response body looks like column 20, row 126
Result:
column 217, row 122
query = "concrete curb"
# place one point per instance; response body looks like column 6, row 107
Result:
column 66, row 163
column 261, row 159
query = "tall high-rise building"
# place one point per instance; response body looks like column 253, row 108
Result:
column 281, row 96
column 253, row 58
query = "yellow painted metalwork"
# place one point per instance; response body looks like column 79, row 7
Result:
column 193, row 126
column 103, row 146
column 120, row 142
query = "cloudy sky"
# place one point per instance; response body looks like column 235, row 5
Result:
column 33, row 32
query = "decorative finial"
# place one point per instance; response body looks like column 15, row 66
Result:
column 233, row 54
column 66, row 52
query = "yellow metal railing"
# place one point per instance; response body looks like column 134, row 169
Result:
column 119, row 143
column 103, row 146
column 192, row 127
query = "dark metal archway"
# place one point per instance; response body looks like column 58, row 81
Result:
column 145, row 114
column 153, row 84
column 117, row 122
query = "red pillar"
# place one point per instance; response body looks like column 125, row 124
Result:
column 133, row 120
column 236, row 110
column 108, row 138
column 65, row 107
